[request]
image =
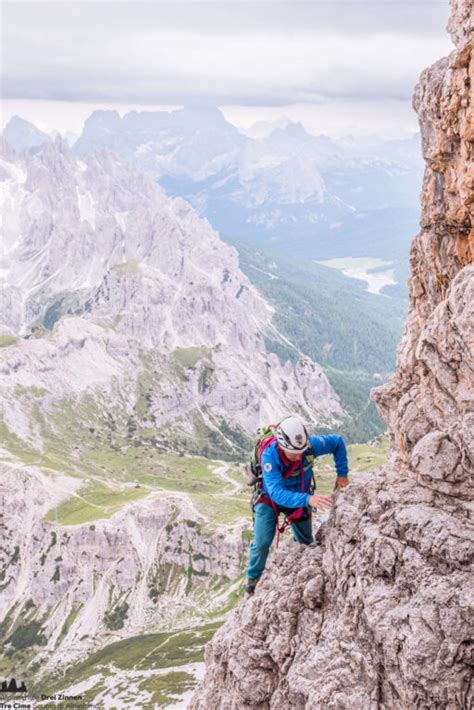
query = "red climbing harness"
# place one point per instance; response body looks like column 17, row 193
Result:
column 298, row 514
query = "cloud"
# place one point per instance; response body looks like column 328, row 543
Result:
column 418, row 17
column 260, row 53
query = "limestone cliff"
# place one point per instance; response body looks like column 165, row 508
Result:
column 69, row 590
column 378, row 613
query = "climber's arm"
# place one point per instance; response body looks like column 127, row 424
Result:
column 333, row 444
column 275, row 487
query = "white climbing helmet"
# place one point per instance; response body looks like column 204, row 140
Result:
column 292, row 434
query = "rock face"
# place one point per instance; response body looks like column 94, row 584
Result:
column 428, row 404
column 378, row 613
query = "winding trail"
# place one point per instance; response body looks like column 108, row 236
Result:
column 221, row 471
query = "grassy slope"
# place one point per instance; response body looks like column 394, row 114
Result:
column 132, row 659
column 197, row 478
column 7, row 340
column 111, row 465
column 194, row 476
column 152, row 471
column 94, row 500
column 362, row 457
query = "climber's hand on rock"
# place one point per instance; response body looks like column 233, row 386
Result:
column 341, row 482
column 321, row 502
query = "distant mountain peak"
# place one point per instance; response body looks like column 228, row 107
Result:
column 17, row 121
column 296, row 129
column 103, row 117
column 195, row 114
column 292, row 129
column 23, row 135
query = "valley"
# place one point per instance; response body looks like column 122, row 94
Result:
column 124, row 656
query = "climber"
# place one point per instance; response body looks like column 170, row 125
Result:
column 287, row 485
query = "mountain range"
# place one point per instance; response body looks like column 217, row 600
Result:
column 304, row 196
column 113, row 290
column 290, row 192
column 287, row 172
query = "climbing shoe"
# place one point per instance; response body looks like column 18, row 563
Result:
column 250, row 586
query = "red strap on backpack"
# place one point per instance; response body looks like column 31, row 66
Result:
column 266, row 500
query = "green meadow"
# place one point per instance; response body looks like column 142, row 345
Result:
column 132, row 658
column 92, row 501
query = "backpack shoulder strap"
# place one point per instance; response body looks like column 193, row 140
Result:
column 263, row 444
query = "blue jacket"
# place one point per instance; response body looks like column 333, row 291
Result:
column 287, row 493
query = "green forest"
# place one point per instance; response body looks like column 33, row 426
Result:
column 332, row 319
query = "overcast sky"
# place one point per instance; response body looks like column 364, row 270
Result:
column 339, row 67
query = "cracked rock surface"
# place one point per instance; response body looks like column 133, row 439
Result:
column 378, row 613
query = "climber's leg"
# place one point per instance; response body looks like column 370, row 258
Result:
column 263, row 534
column 303, row 531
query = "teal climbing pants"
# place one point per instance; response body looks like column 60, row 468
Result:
column 263, row 533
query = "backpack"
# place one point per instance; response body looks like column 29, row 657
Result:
column 253, row 469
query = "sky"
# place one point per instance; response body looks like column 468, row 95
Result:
column 339, row 67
